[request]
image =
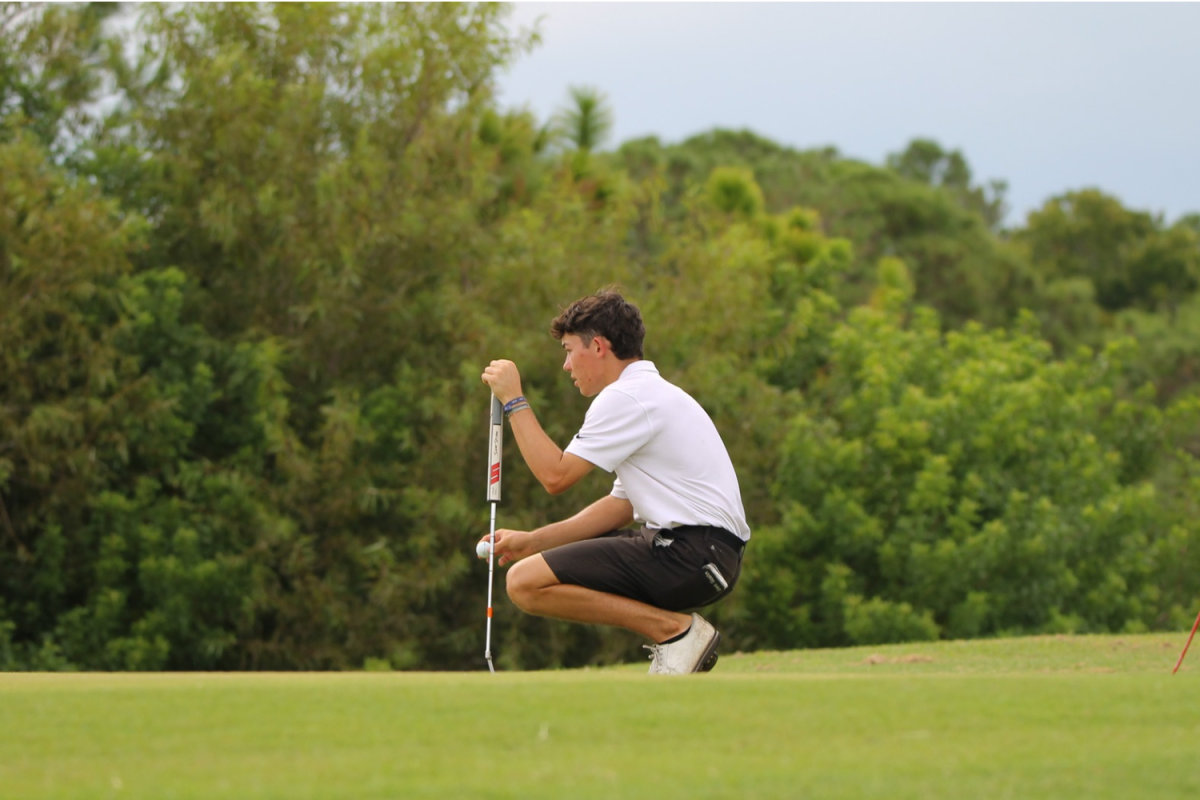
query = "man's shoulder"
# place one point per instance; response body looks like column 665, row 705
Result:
column 653, row 396
column 615, row 398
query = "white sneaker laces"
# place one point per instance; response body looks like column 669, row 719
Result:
column 655, row 651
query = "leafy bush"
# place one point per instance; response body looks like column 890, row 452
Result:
column 962, row 484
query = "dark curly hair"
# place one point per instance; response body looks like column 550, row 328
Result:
column 605, row 313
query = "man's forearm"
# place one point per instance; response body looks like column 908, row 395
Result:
column 554, row 469
column 538, row 449
column 606, row 514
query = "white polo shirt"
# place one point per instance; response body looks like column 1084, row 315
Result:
column 668, row 456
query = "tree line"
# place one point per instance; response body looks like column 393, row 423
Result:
column 253, row 259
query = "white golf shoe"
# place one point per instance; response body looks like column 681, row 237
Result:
column 695, row 652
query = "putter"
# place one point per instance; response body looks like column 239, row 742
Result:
column 495, row 446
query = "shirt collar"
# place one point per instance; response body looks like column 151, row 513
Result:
column 637, row 368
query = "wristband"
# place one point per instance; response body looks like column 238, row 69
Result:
column 521, row 406
column 513, row 403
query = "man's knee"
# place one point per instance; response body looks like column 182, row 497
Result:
column 525, row 581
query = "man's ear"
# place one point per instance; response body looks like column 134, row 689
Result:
column 602, row 345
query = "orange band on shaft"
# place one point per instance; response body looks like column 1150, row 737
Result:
column 489, row 612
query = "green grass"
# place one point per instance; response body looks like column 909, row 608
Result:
column 1048, row 717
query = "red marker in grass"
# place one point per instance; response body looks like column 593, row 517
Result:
column 1186, row 646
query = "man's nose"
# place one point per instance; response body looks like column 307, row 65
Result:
column 567, row 363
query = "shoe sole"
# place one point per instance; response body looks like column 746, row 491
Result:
column 710, row 656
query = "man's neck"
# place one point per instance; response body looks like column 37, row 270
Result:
column 613, row 373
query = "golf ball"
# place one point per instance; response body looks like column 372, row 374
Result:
column 481, row 549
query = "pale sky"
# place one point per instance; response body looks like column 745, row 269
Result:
column 1049, row 97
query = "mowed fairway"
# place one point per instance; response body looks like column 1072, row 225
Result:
column 1050, row 717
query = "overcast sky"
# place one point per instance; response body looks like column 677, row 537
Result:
column 1049, row 97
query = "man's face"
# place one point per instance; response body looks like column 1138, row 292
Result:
column 583, row 362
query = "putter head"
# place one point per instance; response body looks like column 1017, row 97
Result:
column 490, row 667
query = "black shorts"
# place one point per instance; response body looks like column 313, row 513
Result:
column 677, row 569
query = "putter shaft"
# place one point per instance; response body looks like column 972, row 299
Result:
column 495, row 453
column 487, row 653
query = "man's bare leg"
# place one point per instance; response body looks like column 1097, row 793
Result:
column 534, row 588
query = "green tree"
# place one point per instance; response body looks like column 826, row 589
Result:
column 83, row 414
column 965, row 484
column 520, row 169
column 734, row 191
column 1130, row 257
column 51, row 60
column 924, row 211
column 925, row 161
column 305, row 169
column 63, row 250
column 1189, row 221
column 586, row 123
column 295, row 157
column 1168, row 346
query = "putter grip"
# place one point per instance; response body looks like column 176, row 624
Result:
column 495, row 448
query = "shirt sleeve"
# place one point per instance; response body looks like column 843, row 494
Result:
column 618, row 491
column 615, row 427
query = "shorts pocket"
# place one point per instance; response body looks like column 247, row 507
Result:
column 694, row 591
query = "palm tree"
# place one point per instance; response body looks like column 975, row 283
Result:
column 587, row 123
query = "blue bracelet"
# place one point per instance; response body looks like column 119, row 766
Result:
column 518, row 407
column 513, row 403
